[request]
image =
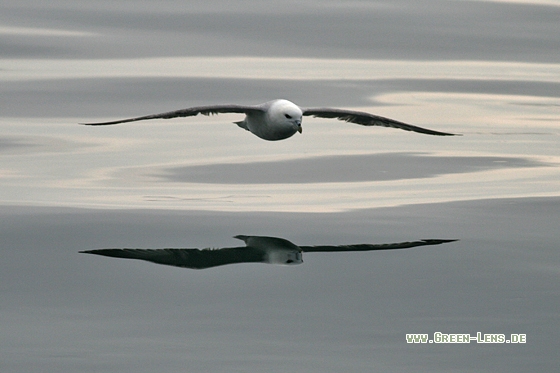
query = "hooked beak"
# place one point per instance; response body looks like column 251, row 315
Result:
column 299, row 129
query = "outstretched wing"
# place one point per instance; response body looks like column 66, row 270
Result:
column 366, row 119
column 188, row 112
column 187, row 258
column 368, row 247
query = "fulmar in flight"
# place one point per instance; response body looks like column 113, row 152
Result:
column 258, row 249
column 280, row 119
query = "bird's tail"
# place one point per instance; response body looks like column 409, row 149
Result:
column 242, row 124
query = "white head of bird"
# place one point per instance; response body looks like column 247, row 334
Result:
column 286, row 114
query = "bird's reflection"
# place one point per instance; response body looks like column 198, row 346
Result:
column 258, row 249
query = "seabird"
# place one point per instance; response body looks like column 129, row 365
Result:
column 280, row 119
column 258, row 249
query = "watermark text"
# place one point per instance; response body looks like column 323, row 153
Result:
column 439, row 337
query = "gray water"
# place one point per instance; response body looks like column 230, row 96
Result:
column 489, row 71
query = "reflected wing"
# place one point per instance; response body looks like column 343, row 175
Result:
column 366, row 119
column 188, row 112
column 187, row 258
column 368, row 247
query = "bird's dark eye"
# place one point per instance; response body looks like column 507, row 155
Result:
column 288, row 116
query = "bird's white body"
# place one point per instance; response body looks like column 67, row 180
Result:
column 279, row 120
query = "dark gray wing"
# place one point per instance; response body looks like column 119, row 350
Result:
column 366, row 119
column 188, row 112
column 368, row 247
column 187, row 258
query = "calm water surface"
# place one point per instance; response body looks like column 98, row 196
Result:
column 488, row 70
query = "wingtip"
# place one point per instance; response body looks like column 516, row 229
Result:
column 439, row 241
column 447, row 134
column 111, row 122
column 98, row 124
